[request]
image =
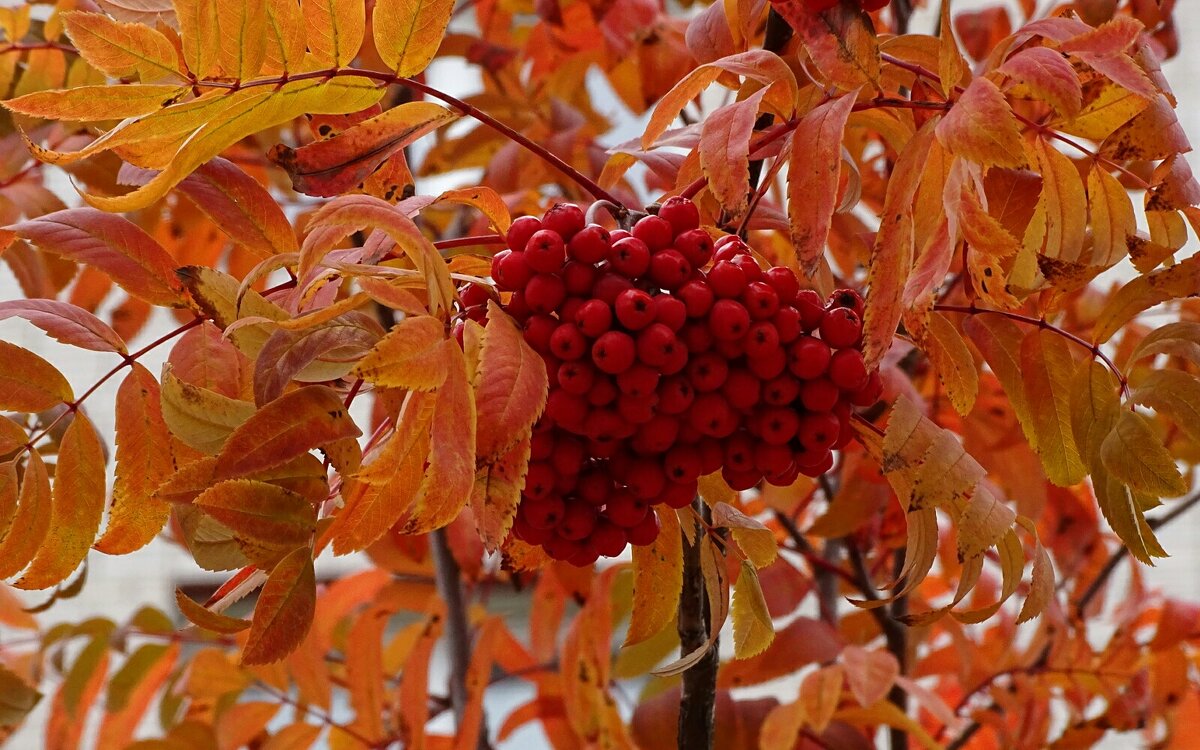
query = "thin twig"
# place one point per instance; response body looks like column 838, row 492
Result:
column 449, row 585
column 698, row 693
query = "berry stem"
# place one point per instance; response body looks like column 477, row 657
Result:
column 1094, row 349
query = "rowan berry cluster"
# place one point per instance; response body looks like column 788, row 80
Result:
column 669, row 357
column 816, row 6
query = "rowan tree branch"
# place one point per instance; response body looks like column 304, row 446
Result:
column 458, row 638
column 698, row 696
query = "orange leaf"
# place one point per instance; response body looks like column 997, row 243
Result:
column 120, row 50
column 285, row 36
column 1047, row 368
column 335, row 30
column 9, row 491
column 34, row 508
column 1063, row 202
column 130, row 691
column 204, row 617
column 841, row 43
column 511, row 386
column 870, row 674
column 497, row 493
column 657, row 580
column 385, row 487
column 1155, row 133
column 91, row 103
column 241, row 30
column 241, row 207
column 813, row 177
column 292, row 424
column 29, row 383
column 450, row 477
column 408, row 32
column 66, row 323
column 725, row 151
column 143, row 463
column 199, row 30
column 76, row 510
column 284, row 611
column 1111, row 216
column 364, row 671
column 951, row 65
column 981, row 127
column 820, row 694
column 1049, row 76
column 335, row 165
column 111, row 243
column 271, row 519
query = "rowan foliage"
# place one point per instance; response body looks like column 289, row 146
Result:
column 348, row 373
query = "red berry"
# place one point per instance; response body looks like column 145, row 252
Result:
column 603, row 425
column 846, row 298
column 819, row 395
column 818, row 432
column 739, row 452
column 567, row 409
column 781, row 390
column 847, row 370
column 741, row 480
column 730, row 349
column 474, row 294
column 565, row 218
column 579, row 278
column 657, row 435
column 568, row 457
column 545, row 252
column 761, row 340
column 669, row 269
column 811, row 307
column 726, row 279
column 823, row 465
column 772, row 460
column 594, row 487
column 696, row 246
column 675, row 395
column 516, row 306
column 645, row 532
column 578, row 521
column 696, row 337
column 712, row 415
column 869, row 393
column 645, row 478
column 817, row 6
column 636, row 410
column 568, row 342
column 542, row 514
column 760, row 299
column 604, row 391
column 742, row 389
column 707, row 372
column 609, row 539
column 680, row 213
column 614, row 352
column 521, row 230
column 749, row 267
column 778, row 424
column 728, row 320
column 593, row 317
column 808, row 357
column 528, row 533
column 575, row 377
column 544, row 293
column 538, row 330
column 785, row 478
column 682, row 463
column 590, row 245
column 697, row 297
column 655, row 231
column 585, row 555
column 510, row 270
column 635, row 309
column 670, row 311
column 841, row 327
column 873, row 5
column 678, row 494
column 784, row 282
column 609, row 286
column 711, row 455
column 618, row 234
column 638, row 380
column 676, row 358
column 656, row 346
column 541, row 445
column 630, row 257
column 729, row 247
column 787, row 324
column 624, row 509
column 561, row 548
column 769, row 365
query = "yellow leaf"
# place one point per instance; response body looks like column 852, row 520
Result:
column 999, row 340
column 820, row 694
column 657, row 581
column 286, row 37
column 1111, row 216
column 89, row 103
column 9, row 491
column 981, row 127
column 947, row 474
column 1181, row 339
column 755, row 539
column 953, row 361
column 1136, row 456
column 284, row 611
column 241, row 30
column 1125, row 516
column 1175, row 394
column 201, row 418
column 485, row 199
column 885, row 712
column 951, row 65
column 1095, row 407
column 292, row 424
column 1064, row 201
column 497, row 493
column 34, row 509
column 143, row 463
column 1047, row 368
column 1041, row 586
column 387, row 485
column 199, row 29
column 1144, row 292
column 982, row 524
column 203, row 617
column 29, row 383
column 753, row 630
column 410, row 356
column 120, row 50
column 130, row 691
column 335, row 31
column 408, row 32
column 76, row 509
column 450, row 477
column 510, row 387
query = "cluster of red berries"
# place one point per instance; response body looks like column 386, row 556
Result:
column 669, row 357
column 816, row 6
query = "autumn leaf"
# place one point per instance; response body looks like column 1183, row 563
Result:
column 67, row 323
column 510, row 386
column 199, row 28
column 820, row 693
column 1180, row 339
column 33, row 515
column 17, row 698
column 839, row 41
column 657, row 579
column 1136, row 456
column 202, row 419
column 241, row 31
column 752, row 627
column 1144, row 292
column 408, row 32
column 1047, row 368
column 1095, row 408
column 335, row 30
column 1125, row 516
column 29, row 383
column 497, row 493
column 1049, row 76
column 869, row 674
column 203, row 617
column 144, row 461
column 120, row 49
column 284, row 611
column 114, row 245
column 813, row 177
column 76, row 508
column 289, row 426
column 334, row 165
column 241, row 207
column 409, row 356
column 755, row 539
column 1061, row 202
column 981, row 127
column 1111, row 216
column 953, row 362
column 286, row 36
column 267, row 520
column 130, row 691
column 725, row 151
column 93, row 103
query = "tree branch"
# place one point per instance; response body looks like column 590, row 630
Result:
column 698, row 696
column 449, row 585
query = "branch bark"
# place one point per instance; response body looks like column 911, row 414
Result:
column 449, row 586
column 698, row 696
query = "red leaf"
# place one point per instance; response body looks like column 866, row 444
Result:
column 284, row 611
column 66, row 323
column 725, row 151
column 813, row 174
column 240, row 207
